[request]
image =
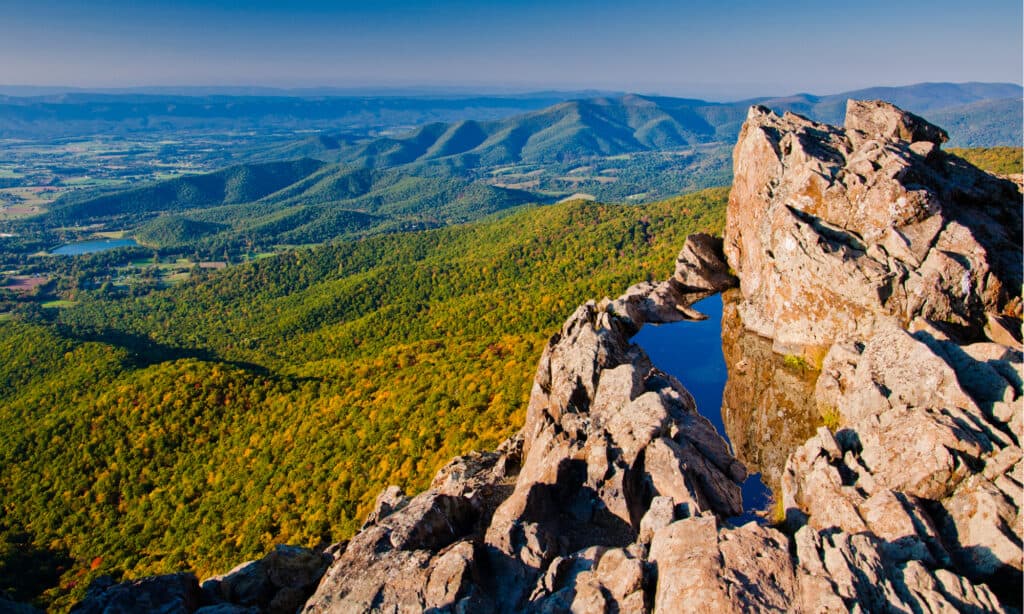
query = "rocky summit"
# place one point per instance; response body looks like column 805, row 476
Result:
column 835, row 231
column 889, row 267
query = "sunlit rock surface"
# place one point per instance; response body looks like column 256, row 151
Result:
column 833, row 230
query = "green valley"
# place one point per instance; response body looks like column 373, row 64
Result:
column 197, row 426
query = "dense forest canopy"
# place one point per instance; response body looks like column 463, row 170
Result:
column 197, row 426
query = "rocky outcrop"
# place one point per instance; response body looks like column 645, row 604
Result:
column 867, row 251
column 623, row 495
column 605, row 434
column 901, row 275
column 833, row 230
column 559, row 518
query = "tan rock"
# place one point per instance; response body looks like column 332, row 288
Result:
column 877, row 118
column 703, row 568
column 832, row 231
column 701, row 265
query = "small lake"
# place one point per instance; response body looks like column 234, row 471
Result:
column 691, row 351
column 92, row 247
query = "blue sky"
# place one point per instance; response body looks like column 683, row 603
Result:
column 712, row 49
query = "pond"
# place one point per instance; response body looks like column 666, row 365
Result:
column 692, row 352
column 92, row 247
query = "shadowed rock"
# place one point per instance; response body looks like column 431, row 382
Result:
column 279, row 583
column 170, row 594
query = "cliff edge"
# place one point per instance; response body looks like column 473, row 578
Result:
column 893, row 266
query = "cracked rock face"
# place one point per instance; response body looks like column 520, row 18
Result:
column 831, row 230
column 923, row 461
column 901, row 266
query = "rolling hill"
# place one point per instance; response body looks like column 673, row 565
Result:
column 633, row 147
column 235, row 184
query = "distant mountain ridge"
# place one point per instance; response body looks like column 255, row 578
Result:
column 632, row 123
column 631, row 147
column 52, row 112
column 55, row 115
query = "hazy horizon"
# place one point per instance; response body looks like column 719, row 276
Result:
column 409, row 90
column 696, row 49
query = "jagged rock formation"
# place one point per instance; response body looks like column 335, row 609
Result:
column 866, row 249
column 611, row 446
column 831, row 230
column 870, row 247
column 279, row 583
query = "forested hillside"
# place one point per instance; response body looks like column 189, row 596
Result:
column 197, row 426
column 236, row 184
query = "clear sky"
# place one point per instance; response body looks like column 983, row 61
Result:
column 719, row 49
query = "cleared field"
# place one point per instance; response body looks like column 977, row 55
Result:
column 518, row 185
column 92, row 182
column 35, row 196
column 25, row 283
column 578, row 196
column 18, row 211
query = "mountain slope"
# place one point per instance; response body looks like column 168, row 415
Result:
column 613, row 126
column 192, row 428
column 235, row 184
column 986, row 123
column 297, row 202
